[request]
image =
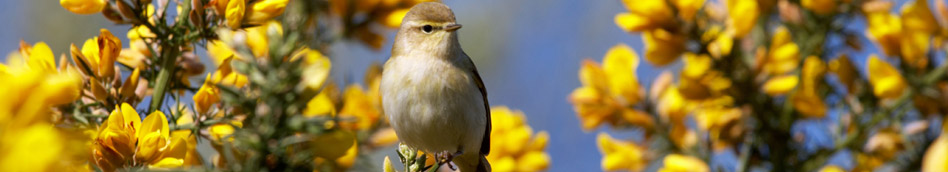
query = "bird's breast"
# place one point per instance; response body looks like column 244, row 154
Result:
column 432, row 104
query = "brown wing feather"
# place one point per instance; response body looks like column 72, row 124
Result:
column 485, row 144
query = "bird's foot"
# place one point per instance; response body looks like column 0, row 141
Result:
column 447, row 157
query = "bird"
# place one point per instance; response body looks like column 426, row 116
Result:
column 435, row 99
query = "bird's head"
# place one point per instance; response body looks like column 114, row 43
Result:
column 429, row 27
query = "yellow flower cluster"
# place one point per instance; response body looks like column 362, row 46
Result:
column 908, row 36
column 241, row 13
column 658, row 22
column 96, row 61
column 361, row 113
column 33, row 86
column 609, row 91
column 621, row 155
column 514, row 147
column 222, row 52
column 125, row 140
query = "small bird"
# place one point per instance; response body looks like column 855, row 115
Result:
column 432, row 93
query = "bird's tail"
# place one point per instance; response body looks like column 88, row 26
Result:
column 472, row 163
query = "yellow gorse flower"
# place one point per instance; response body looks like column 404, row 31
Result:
column 806, row 100
column 662, row 47
column 683, row 163
column 607, row 89
column 672, row 105
column 919, row 26
column 886, row 81
column 742, row 17
column 209, row 94
column 916, row 16
column 256, row 41
column 687, row 9
column 364, row 107
column 219, row 51
column 717, row 114
column 937, row 153
column 886, row 30
column 320, row 105
column 264, row 10
column 698, row 80
column 40, row 84
column 257, row 37
column 821, row 7
column 514, row 147
column 781, row 84
column 84, row 6
column 115, row 141
column 206, row 96
column 238, row 13
column 592, row 102
column 192, row 157
column 908, row 36
column 32, row 87
column 620, row 155
column 124, row 139
column 316, row 68
column 645, row 15
column 138, row 52
column 98, row 55
column 156, row 146
column 225, row 75
column 234, row 13
column 784, row 54
column 394, row 18
column 333, row 144
column 620, row 64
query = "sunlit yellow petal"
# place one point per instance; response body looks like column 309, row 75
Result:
column 832, row 168
column 235, row 13
column 742, row 17
column 83, row 6
column 936, row 155
column 677, row 162
column 781, row 85
column 662, row 47
column 620, row 64
column 394, row 18
column 41, row 58
column 320, row 105
column 264, row 10
column 885, row 79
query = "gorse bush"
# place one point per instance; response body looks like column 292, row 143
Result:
column 269, row 105
column 755, row 71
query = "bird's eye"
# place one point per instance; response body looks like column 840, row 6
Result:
column 427, row 28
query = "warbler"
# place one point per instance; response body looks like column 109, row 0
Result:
column 431, row 91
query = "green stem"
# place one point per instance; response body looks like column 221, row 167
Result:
column 163, row 82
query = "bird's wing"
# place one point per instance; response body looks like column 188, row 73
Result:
column 485, row 144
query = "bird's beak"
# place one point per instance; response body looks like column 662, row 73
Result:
column 452, row 27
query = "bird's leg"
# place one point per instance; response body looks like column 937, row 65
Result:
column 449, row 157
